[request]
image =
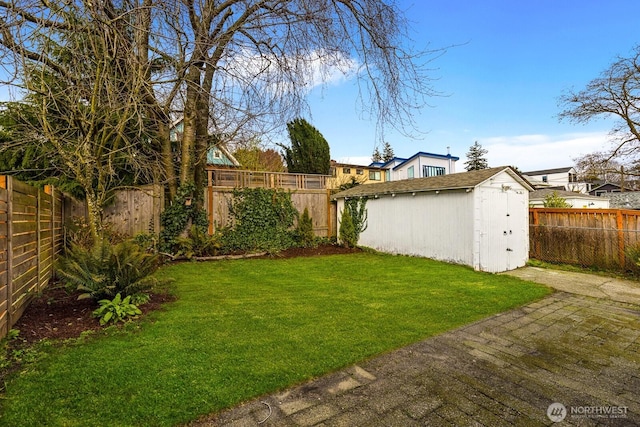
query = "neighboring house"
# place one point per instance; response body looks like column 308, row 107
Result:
column 606, row 188
column 217, row 154
column 576, row 200
column 560, row 179
column 420, row 165
column 345, row 173
column 478, row 218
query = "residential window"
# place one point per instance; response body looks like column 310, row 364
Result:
column 359, row 171
column 573, row 177
column 217, row 154
column 545, row 178
column 346, row 170
column 410, row 173
column 374, row 175
column 387, row 175
column 432, row 171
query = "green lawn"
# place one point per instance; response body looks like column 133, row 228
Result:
column 247, row 327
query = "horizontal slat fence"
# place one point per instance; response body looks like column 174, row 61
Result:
column 598, row 238
column 30, row 239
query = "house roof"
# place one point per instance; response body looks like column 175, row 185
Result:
column 351, row 165
column 424, row 154
column 542, row 194
column 453, row 181
column 549, row 171
column 608, row 185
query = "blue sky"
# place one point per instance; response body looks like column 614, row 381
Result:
column 513, row 60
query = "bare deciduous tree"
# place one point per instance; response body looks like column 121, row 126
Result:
column 227, row 67
column 616, row 93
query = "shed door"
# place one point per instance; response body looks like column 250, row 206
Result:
column 506, row 242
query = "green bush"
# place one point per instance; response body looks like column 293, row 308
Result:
column 304, row 232
column 198, row 243
column 348, row 237
column 178, row 216
column 106, row 270
column 353, row 221
column 116, row 310
column 262, row 221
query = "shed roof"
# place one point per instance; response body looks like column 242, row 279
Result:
column 453, row 181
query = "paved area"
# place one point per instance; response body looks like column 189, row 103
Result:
column 571, row 358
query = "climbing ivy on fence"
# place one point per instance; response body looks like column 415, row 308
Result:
column 177, row 217
column 262, row 220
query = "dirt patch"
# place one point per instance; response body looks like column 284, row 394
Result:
column 58, row 314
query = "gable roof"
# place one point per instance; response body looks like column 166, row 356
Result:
column 549, row 171
column 453, row 181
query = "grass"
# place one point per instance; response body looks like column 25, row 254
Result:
column 244, row 328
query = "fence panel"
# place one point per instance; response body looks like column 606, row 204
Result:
column 136, row 210
column 30, row 239
column 316, row 201
column 23, row 246
column 4, row 283
column 587, row 237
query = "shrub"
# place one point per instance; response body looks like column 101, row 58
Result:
column 79, row 234
column 348, row 237
column 116, row 310
column 304, row 232
column 262, row 220
column 105, row 270
column 355, row 214
column 554, row 200
column 197, row 243
column 177, row 218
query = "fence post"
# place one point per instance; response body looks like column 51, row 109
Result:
column 620, row 228
column 8, row 185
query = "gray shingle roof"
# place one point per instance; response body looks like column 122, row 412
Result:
column 444, row 182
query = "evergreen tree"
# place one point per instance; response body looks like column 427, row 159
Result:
column 309, row 151
column 475, row 158
column 387, row 152
column 376, row 156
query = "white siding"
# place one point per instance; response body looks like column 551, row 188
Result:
column 486, row 227
column 502, row 224
column 419, row 162
column 437, row 226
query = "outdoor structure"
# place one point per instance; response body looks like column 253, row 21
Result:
column 420, row 165
column 565, row 178
column 477, row 218
column 217, row 155
column 624, row 200
column 345, row 173
column 574, row 199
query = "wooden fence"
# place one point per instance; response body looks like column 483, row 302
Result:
column 307, row 191
column 31, row 237
column 587, row 237
column 131, row 211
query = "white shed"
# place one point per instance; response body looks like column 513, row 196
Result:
column 478, row 218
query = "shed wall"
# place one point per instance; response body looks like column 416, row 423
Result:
column 437, row 226
column 501, row 224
